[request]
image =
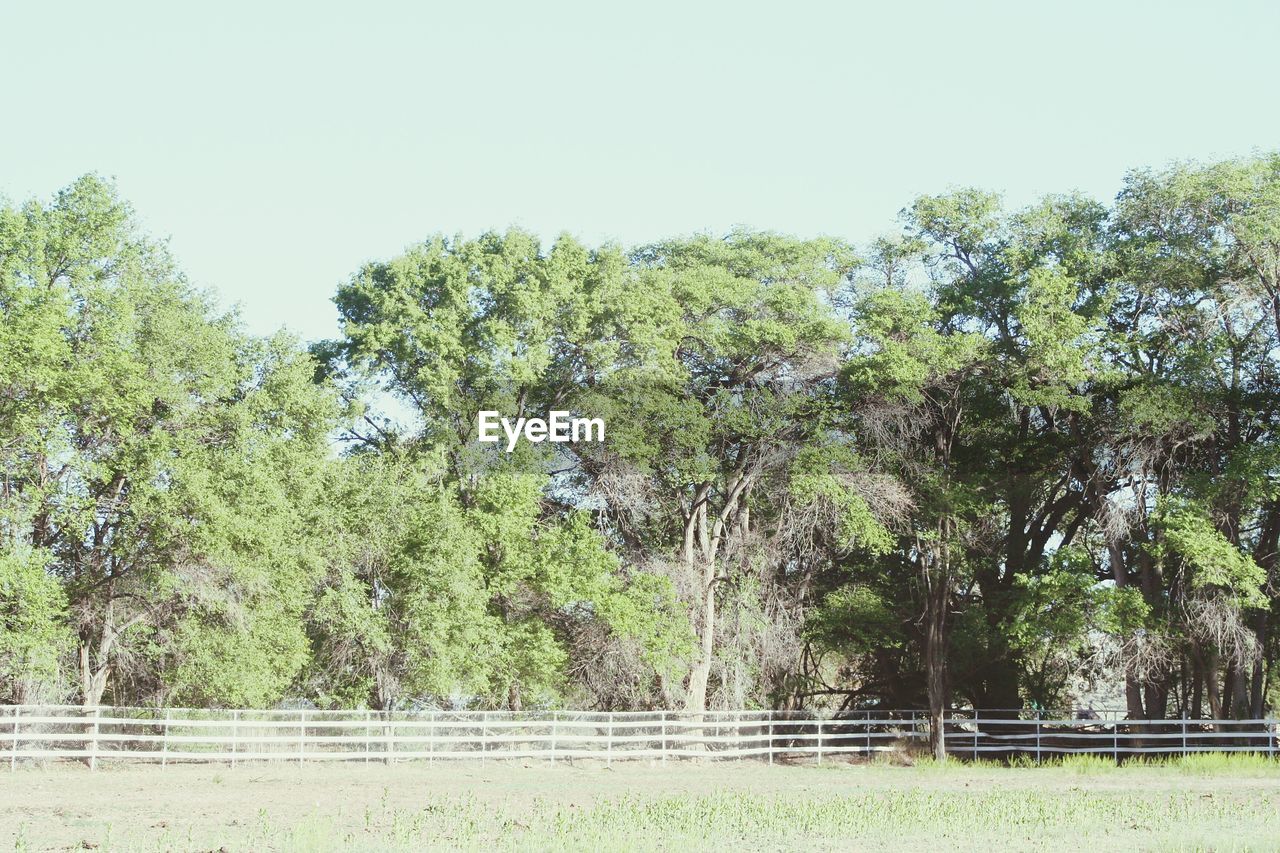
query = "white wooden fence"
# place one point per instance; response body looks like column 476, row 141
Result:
column 230, row 736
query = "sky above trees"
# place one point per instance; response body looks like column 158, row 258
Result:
column 280, row 148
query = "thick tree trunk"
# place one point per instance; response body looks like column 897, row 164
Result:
column 96, row 656
column 1133, row 699
column 999, row 674
column 513, row 697
column 93, row 679
column 1237, row 695
column 703, row 535
column 1132, row 687
column 1211, row 686
column 93, row 683
column 1257, row 695
column 935, row 683
column 696, row 700
column 1257, row 682
column 1157, row 704
column 936, row 577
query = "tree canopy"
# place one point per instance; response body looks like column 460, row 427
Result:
column 1001, row 459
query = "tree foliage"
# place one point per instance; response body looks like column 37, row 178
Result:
column 1002, row 458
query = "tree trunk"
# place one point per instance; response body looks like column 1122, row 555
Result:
column 1133, row 699
column 1211, row 686
column 999, row 674
column 1157, row 703
column 702, row 537
column 1257, row 683
column 93, row 680
column 513, row 696
column 1238, row 693
column 93, row 683
column 696, row 700
column 935, row 677
column 935, row 646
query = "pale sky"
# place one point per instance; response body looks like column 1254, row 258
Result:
column 281, row 145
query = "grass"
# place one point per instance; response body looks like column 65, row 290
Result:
column 1199, row 802
column 881, row 819
column 1201, row 763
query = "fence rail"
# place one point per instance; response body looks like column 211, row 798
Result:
column 978, row 736
column 231, row 736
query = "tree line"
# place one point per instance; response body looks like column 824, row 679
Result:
column 1001, row 459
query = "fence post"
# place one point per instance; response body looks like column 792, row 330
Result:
column 93, row 745
column 302, row 734
column 553, row 738
column 164, row 741
column 1115, row 741
column 664, row 737
column 431, row 738
column 389, row 738
column 367, row 729
column 235, row 736
column 770, row 736
column 13, row 757
column 868, row 733
column 1184, row 731
column 608, row 742
column 975, row 732
column 1037, row 737
column 484, row 734
column 819, row 740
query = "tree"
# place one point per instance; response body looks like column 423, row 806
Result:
column 157, row 455
column 35, row 635
column 907, row 387
column 456, row 327
column 1000, row 452
column 1035, row 285
column 402, row 612
column 1195, row 328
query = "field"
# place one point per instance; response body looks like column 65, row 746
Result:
column 1204, row 802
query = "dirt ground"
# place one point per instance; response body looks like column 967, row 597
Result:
column 634, row 805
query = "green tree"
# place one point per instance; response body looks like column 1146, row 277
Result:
column 159, row 456
column 35, row 633
column 455, row 327
column 908, row 387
